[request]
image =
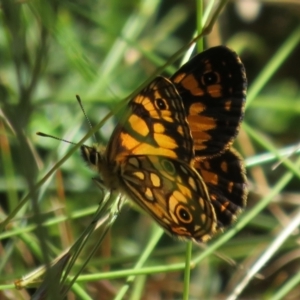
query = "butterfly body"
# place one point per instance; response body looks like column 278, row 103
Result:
column 164, row 154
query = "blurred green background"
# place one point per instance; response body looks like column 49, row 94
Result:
column 104, row 50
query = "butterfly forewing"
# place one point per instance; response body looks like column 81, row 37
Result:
column 155, row 124
column 173, row 194
column 225, row 179
column 213, row 88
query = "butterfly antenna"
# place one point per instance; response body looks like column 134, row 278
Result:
column 86, row 117
column 54, row 137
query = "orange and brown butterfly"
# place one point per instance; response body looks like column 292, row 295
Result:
column 170, row 151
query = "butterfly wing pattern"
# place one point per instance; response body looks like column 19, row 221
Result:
column 173, row 194
column 170, row 151
column 213, row 88
column 225, row 179
column 155, row 124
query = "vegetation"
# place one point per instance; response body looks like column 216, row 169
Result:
column 104, row 51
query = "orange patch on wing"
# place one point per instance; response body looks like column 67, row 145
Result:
column 224, row 166
column 227, row 105
column 213, row 197
column 210, row 177
column 139, row 175
column 181, row 231
column 185, row 192
column 190, row 83
column 196, row 108
column 180, row 130
column 205, row 164
column 134, row 146
column 199, row 138
column 230, row 186
column 215, row 90
column 201, row 123
column 165, row 141
column 138, row 123
column 155, row 180
column 224, row 206
column 158, row 128
column 147, row 104
column 179, row 77
column 127, row 141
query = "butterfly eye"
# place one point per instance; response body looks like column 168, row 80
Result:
column 210, row 78
column 93, row 158
column 183, row 214
column 160, row 104
column 90, row 155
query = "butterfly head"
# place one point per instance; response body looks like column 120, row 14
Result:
column 98, row 162
column 92, row 156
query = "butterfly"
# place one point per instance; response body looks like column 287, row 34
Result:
column 171, row 150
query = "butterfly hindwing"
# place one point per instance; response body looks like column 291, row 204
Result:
column 172, row 193
column 225, row 179
column 213, row 88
